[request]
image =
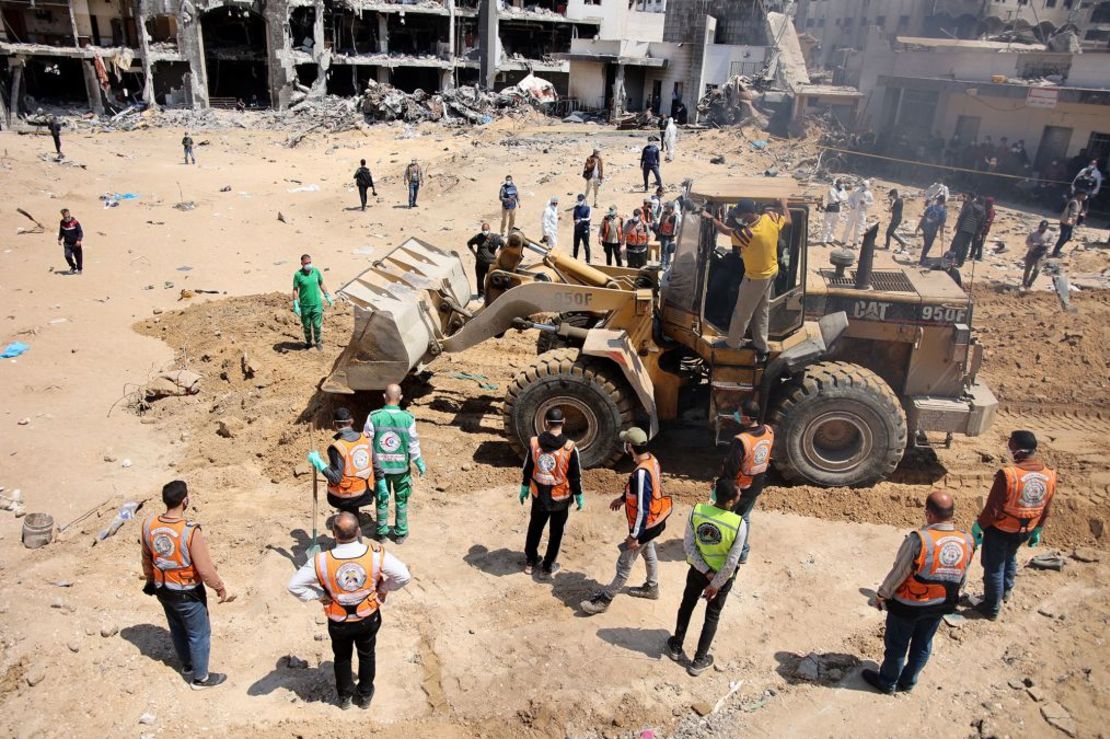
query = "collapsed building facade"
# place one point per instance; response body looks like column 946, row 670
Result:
column 108, row 54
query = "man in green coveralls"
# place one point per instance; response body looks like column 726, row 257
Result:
column 392, row 432
column 308, row 286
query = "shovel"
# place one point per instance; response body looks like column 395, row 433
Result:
column 314, row 549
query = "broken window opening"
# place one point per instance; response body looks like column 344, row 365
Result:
column 54, row 81
column 301, row 24
column 235, row 57
column 559, row 7
column 172, row 84
column 307, row 74
column 466, row 39
column 525, row 40
column 342, row 80
column 417, row 34
column 411, row 79
column 162, row 30
column 353, row 33
column 46, row 24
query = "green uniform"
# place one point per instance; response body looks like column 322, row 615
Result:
column 396, row 446
column 715, row 530
column 310, row 297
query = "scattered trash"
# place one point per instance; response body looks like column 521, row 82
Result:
column 126, row 463
column 482, row 380
column 147, row 718
column 112, row 199
column 717, row 160
column 305, row 188
column 123, row 515
column 1053, row 562
column 184, row 268
column 759, row 144
column 185, row 205
column 954, row 620
column 225, row 188
column 23, row 421
column 14, row 349
column 282, row 217
column 733, row 688
column 38, row 530
column 39, row 228
column 731, row 104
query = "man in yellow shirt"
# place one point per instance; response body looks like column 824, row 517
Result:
column 756, row 237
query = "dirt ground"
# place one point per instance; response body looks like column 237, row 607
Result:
column 472, row 647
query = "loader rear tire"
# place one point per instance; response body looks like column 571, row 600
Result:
column 594, row 398
column 548, row 341
column 840, row 426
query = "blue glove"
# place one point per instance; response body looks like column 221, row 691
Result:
column 977, row 534
column 419, row 462
column 296, row 306
column 524, row 493
column 382, row 491
column 315, row 460
column 1035, row 537
column 579, row 501
column 329, row 298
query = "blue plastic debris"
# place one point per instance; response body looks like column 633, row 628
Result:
column 14, row 349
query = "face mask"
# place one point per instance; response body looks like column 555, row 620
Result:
column 485, row 232
column 307, row 267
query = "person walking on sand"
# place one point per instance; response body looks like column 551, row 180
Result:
column 582, row 227
column 921, row 588
column 859, row 203
column 649, row 162
column 670, row 139
column 552, row 476
column 714, row 539
column 510, row 202
column 187, row 145
column 594, row 174
column 55, row 128
column 1037, row 246
column 646, row 509
column 177, row 567
column 1069, row 219
column 414, row 178
column 549, row 223
column 364, row 181
column 308, row 287
column 72, row 238
column 392, row 432
column 611, row 235
column 896, row 206
column 835, row 197
column 352, row 581
column 931, row 225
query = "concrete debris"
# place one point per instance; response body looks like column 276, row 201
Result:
column 147, row 719
column 828, row 668
column 1085, row 555
column 173, row 383
column 732, row 104
column 1058, row 716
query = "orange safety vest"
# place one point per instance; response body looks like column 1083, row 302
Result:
column 667, row 225
column 636, row 233
column 358, row 467
column 550, row 468
column 939, row 569
column 757, row 455
column 168, row 543
column 351, row 584
column 1027, row 494
column 607, row 231
column 660, row 504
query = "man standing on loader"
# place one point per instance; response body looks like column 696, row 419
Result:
column 552, row 476
column 308, row 286
column 352, row 472
column 392, row 432
column 747, row 462
column 646, row 509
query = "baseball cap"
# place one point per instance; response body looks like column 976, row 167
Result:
column 635, row 436
column 554, row 415
column 746, row 206
column 342, row 414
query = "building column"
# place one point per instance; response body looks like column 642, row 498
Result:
column 383, row 75
column 488, row 43
column 144, row 53
column 383, row 33
column 92, row 87
column 190, row 42
column 320, row 53
column 616, row 109
column 280, row 71
column 16, row 65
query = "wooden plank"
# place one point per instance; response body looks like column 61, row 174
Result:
column 731, row 189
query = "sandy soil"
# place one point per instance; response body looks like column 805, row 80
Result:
column 472, row 647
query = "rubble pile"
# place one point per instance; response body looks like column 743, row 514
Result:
column 383, row 102
column 731, row 104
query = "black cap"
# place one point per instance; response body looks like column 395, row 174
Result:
column 1023, row 441
column 554, row 415
column 746, row 206
column 342, row 415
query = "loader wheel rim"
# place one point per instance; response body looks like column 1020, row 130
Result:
column 580, row 422
column 837, row 441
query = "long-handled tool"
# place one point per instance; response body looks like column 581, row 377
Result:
column 314, row 548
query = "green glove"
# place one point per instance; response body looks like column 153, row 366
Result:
column 579, row 501
column 977, row 534
column 315, row 460
column 524, row 493
column 329, row 298
column 382, row 491
column 296, row 306
column 419, row 462
column 1035, row 537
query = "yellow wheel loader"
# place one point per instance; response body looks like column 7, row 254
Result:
column 863, row 362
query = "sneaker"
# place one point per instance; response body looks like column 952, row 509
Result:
column 308, row 345
column 700, row 665
column 187, row 672
column 344, row 702
column 871, row 677
column 645, row 591
column 674, row 649
column 319, row 346
column 214, row 679
column 899, row 688
column 400, row 539
column 528, row 567
column 76, row 271
column 762, row 357
column 1006, row 596
column 549, row 572
column 986, row 612
column 743, row 558
column 381, row 535
column 595, row 605
column 363, row 701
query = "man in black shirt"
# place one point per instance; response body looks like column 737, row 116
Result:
column 483, row 245
column 365, row 181
column 552, row 476
column 649, row 162
column 896, row 204
column 968, row 224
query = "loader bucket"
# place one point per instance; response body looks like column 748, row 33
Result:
column 403, row 304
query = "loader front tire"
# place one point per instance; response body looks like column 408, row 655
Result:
column 594, row 398
column 840, row 426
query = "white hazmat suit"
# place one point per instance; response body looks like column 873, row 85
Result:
column 858, row 204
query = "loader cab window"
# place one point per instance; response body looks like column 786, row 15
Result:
column 681, row 288
column 725, row 271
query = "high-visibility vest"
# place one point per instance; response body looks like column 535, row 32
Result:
column 351, row 584
column 391, row 439
column 1027, row 494
column 667, row 224
column 660, row 506
column 715, row 531
column 168, row 543
column 636, row 234
column 607, row 234
column 939, row 569
column 358, row 467
column 550, row 468
column 757, row 455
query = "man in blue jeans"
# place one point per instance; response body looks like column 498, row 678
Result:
column 177, row 566
column 414, row 178
column 1014, row 514
column 923, row 586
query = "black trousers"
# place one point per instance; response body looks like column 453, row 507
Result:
column 582, row 236
column 892, row 233
column 695, row 584
column 362, row 195
column 961, row 243
column 480, row 271
column 637, row 258
column 652, row 170
column 57, row 143
column 74, row 256
column 612, row 251
column 356, row 635
column 536, row 525
column 977, row 247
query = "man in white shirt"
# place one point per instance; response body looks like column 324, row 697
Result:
column 935, row 190
column 352, row 581
column 834, row 201
column 549, row 225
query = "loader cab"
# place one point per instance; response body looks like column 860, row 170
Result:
column 699, row 292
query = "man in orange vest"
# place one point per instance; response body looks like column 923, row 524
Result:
column 636, row 237
column 355, row 478
column 923, row 586
column 747, row 462
column 1015, row 513
column 351, row 581
column 552, row 476
column 646, row 509
column 177, row 566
